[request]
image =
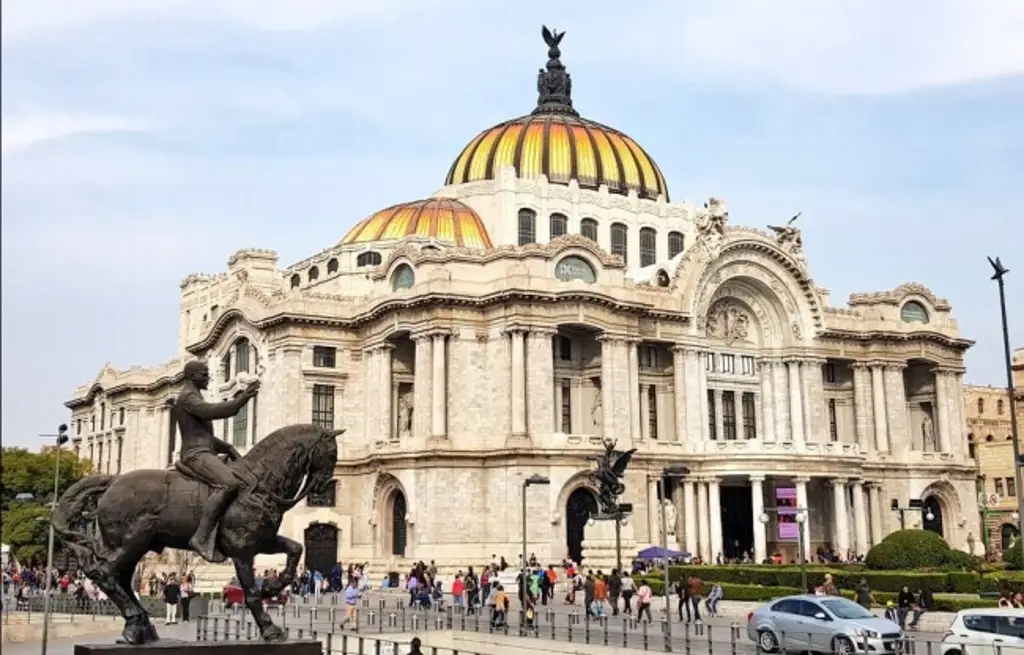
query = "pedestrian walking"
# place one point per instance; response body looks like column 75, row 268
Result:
column 172, row 594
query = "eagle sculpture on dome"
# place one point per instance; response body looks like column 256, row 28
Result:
column 551, row 37
column 554, row 84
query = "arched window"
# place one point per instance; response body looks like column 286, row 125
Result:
column 314, row 274
column 981, row 405
column 332, row 266
column 588, row 228
column 559, row 225
column 368, row 258
column 296, row 281
column 648, row 246
column 527, row 226
column 403, row 277
column 242, row 356
column 989, row 438
column 120, row 416
column 620, row 240
column 999, row 406
column 913, row 312
column 676, row 242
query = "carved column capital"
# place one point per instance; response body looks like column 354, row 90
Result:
column 861, row 366
column 539, row 332
column 803, row 479
column 758, row 478
column 515, row 328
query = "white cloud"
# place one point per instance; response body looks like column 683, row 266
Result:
column 869, row 47
column 27, row 19
column 26, row 129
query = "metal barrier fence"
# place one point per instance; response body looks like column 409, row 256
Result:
column 387, row 619
column 67, row 608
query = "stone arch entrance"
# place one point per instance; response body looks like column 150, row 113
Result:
column 1007, row 535
column 397, row 510
column 931, row 518
column 321, row 547
column 581, row 505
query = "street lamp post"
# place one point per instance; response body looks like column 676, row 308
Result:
column 801, row 521
column 62, row 438
column 673, row 471
column 523, row 589
column 999, row 271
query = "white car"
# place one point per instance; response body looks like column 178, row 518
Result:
column 986, row 632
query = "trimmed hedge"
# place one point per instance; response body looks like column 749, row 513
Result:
column 909, row 549
column 1014, row 555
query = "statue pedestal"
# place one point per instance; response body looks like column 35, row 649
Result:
column 599, row 545
column 178, row 647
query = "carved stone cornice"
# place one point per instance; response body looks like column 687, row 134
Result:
column 430, row 332
column 542, row 332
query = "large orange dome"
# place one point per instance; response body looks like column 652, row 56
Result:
column 441, row 218
column 557, row 142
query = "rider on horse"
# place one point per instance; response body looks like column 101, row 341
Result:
column 200, row 450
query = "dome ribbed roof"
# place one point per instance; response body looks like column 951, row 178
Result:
column 441, row 218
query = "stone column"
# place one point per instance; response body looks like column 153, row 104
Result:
column 692, row 542
column 635, row 426
column 896, row 408
column 439, row 388
column 942, row 412
column 422, row 389
column 518, row 383
column 654, row 513
column 715, row 516
column 861, row 395
column 540, row 377
column 757, row 504
column 702, row 395
column 875, row 507
column 841, row 522
column 719, row 418
column 816, row 425
column 371, row 370
column 679, row 395
column 737, row 399
column 796, row 411
column 780, row 401
column 576, row 406
column 608, row 387
column 384, row 391
column 957, row 423
column 801, row 502
column 694, row 416
column 645, row 412
column 860, row 518
column 767, row 427
column 703, row 522
column 878, row 408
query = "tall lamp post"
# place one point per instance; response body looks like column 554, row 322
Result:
column 671, row 471
column 801, row 521
column 62, row 438
column 523, row 588
column 1000, row 271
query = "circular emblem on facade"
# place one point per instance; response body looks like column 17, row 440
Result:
column 575, row 268
column 403, row 277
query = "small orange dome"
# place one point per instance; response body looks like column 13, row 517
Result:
column 441, row 218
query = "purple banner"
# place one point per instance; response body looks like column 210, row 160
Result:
column 785, row 501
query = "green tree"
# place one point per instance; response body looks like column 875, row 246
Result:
column 28, row 472
column 26, row 524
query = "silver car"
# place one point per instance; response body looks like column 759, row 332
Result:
column 821, row 624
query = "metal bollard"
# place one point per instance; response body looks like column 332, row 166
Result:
column 734, row 633
column 415, row 622
column 645, row 640
column 238, row 629
column 216, row 628
column 392, row 620
column 439, row 622
column 295, row 611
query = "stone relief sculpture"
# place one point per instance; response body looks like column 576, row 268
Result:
column 670, row 516
column 789, row 238
column 928, row 434
column 728, row 322
column 213, row 502
column 595, row 409
column 711, row 226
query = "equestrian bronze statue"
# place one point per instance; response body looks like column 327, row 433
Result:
column 219, row 509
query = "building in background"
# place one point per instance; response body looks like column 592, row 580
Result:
column 990, row 442
column 550, row 296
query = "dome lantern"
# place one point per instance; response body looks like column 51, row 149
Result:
column 554, row 85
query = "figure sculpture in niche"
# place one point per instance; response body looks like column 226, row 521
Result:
column 928, row 433
column 595, row 409
column 228, row 509
column 611, row 466
column 789, row 238
column 404, row 416
column 670, row 516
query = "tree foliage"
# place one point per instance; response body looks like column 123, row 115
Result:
column 1014, row 555
column 26, row 524
column 909, row 549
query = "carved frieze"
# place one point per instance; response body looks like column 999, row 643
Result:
column 727, row 321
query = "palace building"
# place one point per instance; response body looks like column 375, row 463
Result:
column 552, row 295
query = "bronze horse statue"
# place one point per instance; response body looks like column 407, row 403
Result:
column 150, row 510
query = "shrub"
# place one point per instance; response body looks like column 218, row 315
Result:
column 909, row 549
column 1014, row 556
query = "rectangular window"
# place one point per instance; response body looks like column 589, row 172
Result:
column 120, row 451
column 103, row 417
column 78, row 426
column 709, row 362
column 99, row 460
column 649, row 357
column 254, row 424
column 749, row 417
column 728, row 363
column 325, row 356
column 711, row 415
column 833, row 423
column 566, row 417
column 225, row 367
column 240, row 429
column 224, row 429
column 652, row 411
column 565, row 349
column 830, row 373
column 242, row 356
column 747, row 366
column 323, row 405
column 999, row 481
column 729, row 415
column 323, row 496
column 1011, row 487
column 120, row 416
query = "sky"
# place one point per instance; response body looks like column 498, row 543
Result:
column 143, row 141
